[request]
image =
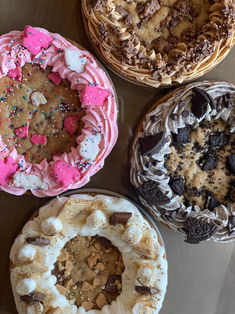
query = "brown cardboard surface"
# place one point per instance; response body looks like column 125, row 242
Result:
column 202, row 277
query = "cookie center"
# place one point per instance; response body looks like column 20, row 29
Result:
column 88, row 272
column 41, row 106
column 202, row 165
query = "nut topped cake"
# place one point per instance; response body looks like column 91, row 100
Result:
column 88, row 254
column 160, row 42
column 183, row 161
column 58, row 113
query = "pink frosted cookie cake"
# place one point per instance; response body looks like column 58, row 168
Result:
column 58, row 113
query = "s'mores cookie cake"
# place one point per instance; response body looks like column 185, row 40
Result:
column 88, row 254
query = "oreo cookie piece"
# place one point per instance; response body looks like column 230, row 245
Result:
column 183, row 136
column 210, row 162
column 151, row 144
column 230, row 164
column 152, row 194
column 177, row 185
column 211, row 203
column 200, row 100
column 219, row 139
column 198, row 230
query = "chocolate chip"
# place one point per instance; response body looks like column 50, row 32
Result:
column 110, row 285
column 144, row 290
column 152, row 144
column 119, row 218
column 230, row 163
column 147, row 164
column 200, row 100
column 152, row 194
column 198, row 230
column 38, row 241
column 174, row 116
column 183, row 136
column 181, row 103
column 210, row 163
column 159, row 173
column 153, row 118
column 103, row 241
column 185, row 113
column 187, row 203
column 177, row 185
column 218, row 139
column 33, row 297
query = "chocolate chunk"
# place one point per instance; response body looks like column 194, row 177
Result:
column 110, row 285
column 161, row 45
column 144, row 290
column 98, row 4
column 59, row 274
column 230, row 163
column 183, row 136
column 38, row 241
column 200, row 101
column 177, row 185
column 33, row 297
column 103, row 241
column 119, row 218
column 121, row 10
column 152, row 194
column 218, row 139
column 210, row 163
column 198, row 230
column 151, row 144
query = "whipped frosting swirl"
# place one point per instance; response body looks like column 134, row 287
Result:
column 175, row 213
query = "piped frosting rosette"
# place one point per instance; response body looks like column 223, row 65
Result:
column 149, row 173
column 68, row 170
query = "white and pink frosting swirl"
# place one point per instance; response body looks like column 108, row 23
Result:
column 97, row 120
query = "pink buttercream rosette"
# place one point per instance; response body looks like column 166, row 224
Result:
column 99, row 119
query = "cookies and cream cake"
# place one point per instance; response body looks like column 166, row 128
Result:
column 160, row 42
column 58, row 113
column 183, row 161
column 88, row 254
